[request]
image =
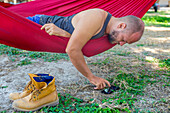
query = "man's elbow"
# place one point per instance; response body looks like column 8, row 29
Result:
column 68, row 51
column 71, row 51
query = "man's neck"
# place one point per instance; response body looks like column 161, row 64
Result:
column 110, row 25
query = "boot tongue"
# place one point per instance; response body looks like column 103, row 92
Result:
column 32, row 75
column 42, row 81
column 36, row 75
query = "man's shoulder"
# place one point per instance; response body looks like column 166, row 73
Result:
column 94, row 10
column 95, row 17
column 98, row 13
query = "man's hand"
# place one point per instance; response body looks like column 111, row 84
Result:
column 100, row 83
column 50, row 28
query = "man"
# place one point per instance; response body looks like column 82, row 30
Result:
column 91, row 24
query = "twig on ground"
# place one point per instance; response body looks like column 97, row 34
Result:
column 111, row 106
column 81, row 88
column 95, row 96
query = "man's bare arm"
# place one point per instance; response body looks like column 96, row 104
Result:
column 52, row 29
column 84, row 30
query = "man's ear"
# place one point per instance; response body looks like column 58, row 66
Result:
column 121, row 26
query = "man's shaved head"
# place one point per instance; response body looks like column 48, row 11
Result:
column 133, row 24
column 126, row 29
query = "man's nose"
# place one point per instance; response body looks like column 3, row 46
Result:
column 122, row 43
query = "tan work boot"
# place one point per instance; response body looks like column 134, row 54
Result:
column 44, row 95
column 29, row 88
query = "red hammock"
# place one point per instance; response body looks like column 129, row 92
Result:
column 5, row 4
column 19, row 32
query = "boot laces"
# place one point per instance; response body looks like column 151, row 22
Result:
column 36, row 94
column 30, row 87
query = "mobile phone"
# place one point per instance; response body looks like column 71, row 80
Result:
column 110, row 89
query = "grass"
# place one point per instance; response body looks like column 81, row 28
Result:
column 132, row 84
column 126, row 96
column 156, row 20
column 159, row 12
column 12, row 52
column 164, row 63
column 119, row 52
column 24, row 62
column 70, row 104
column 159, row 19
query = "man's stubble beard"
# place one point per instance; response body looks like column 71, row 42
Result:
column 112, row 37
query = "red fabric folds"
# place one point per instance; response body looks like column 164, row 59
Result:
column 5, row 4
column 16, row 31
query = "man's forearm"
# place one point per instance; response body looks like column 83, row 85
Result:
column 78, row 61
column 63, row 33
column 52, row 29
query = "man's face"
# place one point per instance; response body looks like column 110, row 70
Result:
column 118, row 37
column 122, row 38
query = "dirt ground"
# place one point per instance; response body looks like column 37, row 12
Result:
column 69, row 80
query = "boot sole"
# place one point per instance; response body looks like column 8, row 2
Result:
column 11, row 99
column 14, row 99
column 48, row 104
